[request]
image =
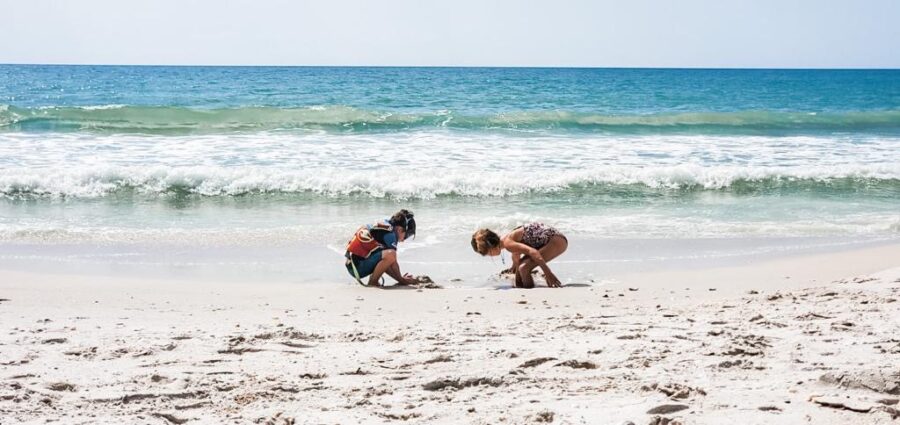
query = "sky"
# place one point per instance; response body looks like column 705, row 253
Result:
column 599, row 33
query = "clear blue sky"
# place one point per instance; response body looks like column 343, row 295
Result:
column 605, row 33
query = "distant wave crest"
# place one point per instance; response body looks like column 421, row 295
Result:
column 181, row 120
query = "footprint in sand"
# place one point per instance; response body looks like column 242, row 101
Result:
column 61, row 386
column 675, row 391
column 665, row 409
column 575, row 364
column 536, row 362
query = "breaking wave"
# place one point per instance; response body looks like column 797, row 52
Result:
column 421, row 184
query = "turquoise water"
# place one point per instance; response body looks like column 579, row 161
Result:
column 202, row 159
column 472, row 91
column 183, row 100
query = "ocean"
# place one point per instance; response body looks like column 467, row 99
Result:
column 263, row 173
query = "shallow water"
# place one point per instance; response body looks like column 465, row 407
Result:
column 271, row 169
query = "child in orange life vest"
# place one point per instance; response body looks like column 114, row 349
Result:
column 372, row 251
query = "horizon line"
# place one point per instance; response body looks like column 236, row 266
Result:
column 761, row 68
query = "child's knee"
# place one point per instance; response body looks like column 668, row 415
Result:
column 389, row 256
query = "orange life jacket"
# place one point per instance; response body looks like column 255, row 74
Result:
column 362, row 244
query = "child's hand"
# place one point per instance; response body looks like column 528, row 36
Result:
column 408, row 279
column 552, row 280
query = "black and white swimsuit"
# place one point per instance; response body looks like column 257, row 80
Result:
column 537, row 235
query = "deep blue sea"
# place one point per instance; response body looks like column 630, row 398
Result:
column 270, row 168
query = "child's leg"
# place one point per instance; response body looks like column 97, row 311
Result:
column 388, row 258
column 553, row 249
column 394, row 272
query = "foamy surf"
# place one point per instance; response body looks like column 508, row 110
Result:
column 435, row 164
column 415, row 183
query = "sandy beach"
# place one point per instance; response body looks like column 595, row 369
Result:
column 810, row 339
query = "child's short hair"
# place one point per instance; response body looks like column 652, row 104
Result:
column 405, row 220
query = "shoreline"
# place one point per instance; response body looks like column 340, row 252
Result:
column 770, row 350
column 449, row 262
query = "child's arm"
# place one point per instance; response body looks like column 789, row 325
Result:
column 518, row 248
column 402, row 279
column 516, row 260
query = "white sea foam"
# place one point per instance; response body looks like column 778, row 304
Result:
column 425, row 165
column 415, row 183
column 594, row 186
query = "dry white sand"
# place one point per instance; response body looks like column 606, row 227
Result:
column 814, row 339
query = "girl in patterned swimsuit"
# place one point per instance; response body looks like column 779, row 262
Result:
column 532, row 245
